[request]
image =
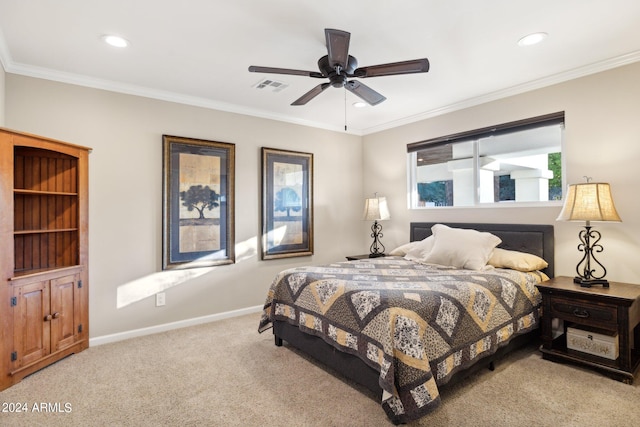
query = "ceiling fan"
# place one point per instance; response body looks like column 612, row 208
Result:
column 338, row 66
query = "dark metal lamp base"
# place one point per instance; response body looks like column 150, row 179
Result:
column 587, row 283
column 378, row 255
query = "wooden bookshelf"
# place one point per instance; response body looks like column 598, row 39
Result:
column 44, row 257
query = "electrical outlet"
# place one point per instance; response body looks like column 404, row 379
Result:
column 161, row 299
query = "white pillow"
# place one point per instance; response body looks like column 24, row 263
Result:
column 404, row 249
column 461, row 248
column 420, row 249
column 521, row 261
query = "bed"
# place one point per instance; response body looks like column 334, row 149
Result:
column 404, row 328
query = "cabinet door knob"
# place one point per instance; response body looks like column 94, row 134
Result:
column 56, row 315
column 47, row 317
column 577, row 312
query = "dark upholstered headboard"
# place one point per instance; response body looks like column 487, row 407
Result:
column 531, row 238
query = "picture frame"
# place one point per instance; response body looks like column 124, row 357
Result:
column 287, row 204
column 198, row 200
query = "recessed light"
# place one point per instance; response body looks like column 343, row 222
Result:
column 531, row 39
column 115, row 41
column 359, row 104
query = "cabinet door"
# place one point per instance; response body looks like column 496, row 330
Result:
column 64, row 310
column 32, row 337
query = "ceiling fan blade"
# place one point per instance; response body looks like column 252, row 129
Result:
column 271, row 70
column 337, row 47
column 403, row 67
column 365, row 92
column 311, row 94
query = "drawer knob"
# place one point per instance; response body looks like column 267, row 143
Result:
column 580, row 313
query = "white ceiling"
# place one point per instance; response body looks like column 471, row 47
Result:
column 198, row 51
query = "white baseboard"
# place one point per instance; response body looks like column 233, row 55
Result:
column 120, row 336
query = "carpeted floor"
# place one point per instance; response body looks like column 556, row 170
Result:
column 226, row 374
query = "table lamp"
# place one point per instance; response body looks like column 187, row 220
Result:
column 590, row 201
column 376, row 209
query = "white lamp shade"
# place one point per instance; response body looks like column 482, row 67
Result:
column 376, row 209
column 590, row 201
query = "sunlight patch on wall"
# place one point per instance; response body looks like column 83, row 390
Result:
column 144, row 287
column 247, row 249
column 276, row 235
column 147, row 286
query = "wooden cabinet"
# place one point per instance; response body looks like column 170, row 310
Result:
column 46, row 315
column 44, row 256
column 614, row 310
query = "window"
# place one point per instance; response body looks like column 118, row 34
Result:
column 513, row 162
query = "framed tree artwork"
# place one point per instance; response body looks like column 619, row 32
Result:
column 198, row 203
column 287, row 203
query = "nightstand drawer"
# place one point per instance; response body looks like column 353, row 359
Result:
column 585, row 313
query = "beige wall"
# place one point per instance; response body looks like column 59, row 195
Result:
column 602, row 140
column 125, row 203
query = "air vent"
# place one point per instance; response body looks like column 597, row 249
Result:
column 272, row 85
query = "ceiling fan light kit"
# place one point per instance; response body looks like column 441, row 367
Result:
column 338, row 66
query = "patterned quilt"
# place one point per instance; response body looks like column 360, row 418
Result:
column 416, row 324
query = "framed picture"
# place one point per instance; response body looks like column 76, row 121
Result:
column 198, row 203
column 287, row 203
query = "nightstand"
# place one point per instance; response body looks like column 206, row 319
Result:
column 355, row 257
column 612, row 310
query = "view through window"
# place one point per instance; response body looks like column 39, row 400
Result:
column 513, row 162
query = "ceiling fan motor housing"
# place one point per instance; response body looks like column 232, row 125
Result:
column 336, row 74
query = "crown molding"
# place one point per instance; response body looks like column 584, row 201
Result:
column 112, row 86
column 575, row 73
column 146, row 92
